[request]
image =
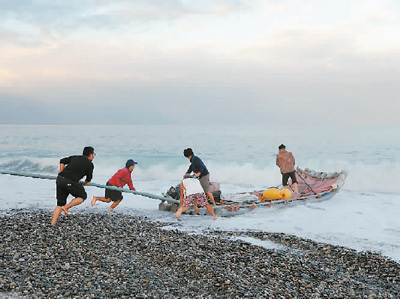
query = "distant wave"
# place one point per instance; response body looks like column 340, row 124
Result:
column 30, row 165
column 361, row 177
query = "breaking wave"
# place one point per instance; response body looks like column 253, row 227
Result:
column 361, row 177
column 40, row 166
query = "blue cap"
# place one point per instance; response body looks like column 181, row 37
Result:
column 130, row 162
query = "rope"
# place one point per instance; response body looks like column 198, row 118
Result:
column 53, row 177
column 311, row 189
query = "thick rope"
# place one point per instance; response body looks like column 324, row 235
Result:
column 53, row 177
column 311, row 189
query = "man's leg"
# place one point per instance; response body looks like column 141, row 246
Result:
column 56, row 214
column 113, row 205
column 285, row 178
column 196, row 208
column 205, row 183
column 96, row 198
column 76, row 201
column 211, row 211
column 294, row 182
column 61, row 196
column 210, row 196
column 180, row 211
column 295, row 188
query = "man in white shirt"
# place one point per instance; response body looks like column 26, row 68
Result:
column 192, row 193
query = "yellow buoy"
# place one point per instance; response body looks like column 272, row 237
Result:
column 272, row 193
column 286, row 193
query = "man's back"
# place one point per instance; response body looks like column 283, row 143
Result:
column 77, row 167
column 285, row 161
column 121, row 178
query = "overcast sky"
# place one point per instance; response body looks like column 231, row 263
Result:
column 170, row 61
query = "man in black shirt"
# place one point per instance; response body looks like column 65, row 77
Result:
column 72, row 169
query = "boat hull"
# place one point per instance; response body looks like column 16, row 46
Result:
column 313, row 187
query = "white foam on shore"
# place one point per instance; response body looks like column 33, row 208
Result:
column 262, row 243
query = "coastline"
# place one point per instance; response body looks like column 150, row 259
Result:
column 116, row 255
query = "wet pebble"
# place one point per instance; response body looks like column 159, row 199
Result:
column 113, row 255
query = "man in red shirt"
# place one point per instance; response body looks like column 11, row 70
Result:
column 119, row 179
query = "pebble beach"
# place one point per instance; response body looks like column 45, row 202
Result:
column 104, row 255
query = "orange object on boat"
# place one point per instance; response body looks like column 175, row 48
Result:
column 272, row 193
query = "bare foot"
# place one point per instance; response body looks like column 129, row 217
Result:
column 65, row 210
column 110, row 209
column 94, row 199
column 215, row 217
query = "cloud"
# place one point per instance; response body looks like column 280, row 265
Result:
column 6, row 77
column 179, row 61
column 70, row 16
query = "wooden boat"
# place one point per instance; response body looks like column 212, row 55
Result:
column 312, row 185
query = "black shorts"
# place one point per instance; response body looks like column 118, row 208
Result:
column 286, row 176
column 114, row 195
column 65, row 187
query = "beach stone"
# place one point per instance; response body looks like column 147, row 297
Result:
column 99, row 255
column 163, row 206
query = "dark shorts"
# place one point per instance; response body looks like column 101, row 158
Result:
column 205, row 182
column 114, row 195
column 286, row 176
column 65, row 187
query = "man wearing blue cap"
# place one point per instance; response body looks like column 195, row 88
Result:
column 119, row 179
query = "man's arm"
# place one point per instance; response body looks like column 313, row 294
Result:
column 127, row 177
column 190, row 169
column 294, row 161
column 181, row 195
column 63, row 162
column 89, row 176
column 130, row 183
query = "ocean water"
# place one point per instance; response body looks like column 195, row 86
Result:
column 364, row 215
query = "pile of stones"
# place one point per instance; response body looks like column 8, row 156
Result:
column 94, row 255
